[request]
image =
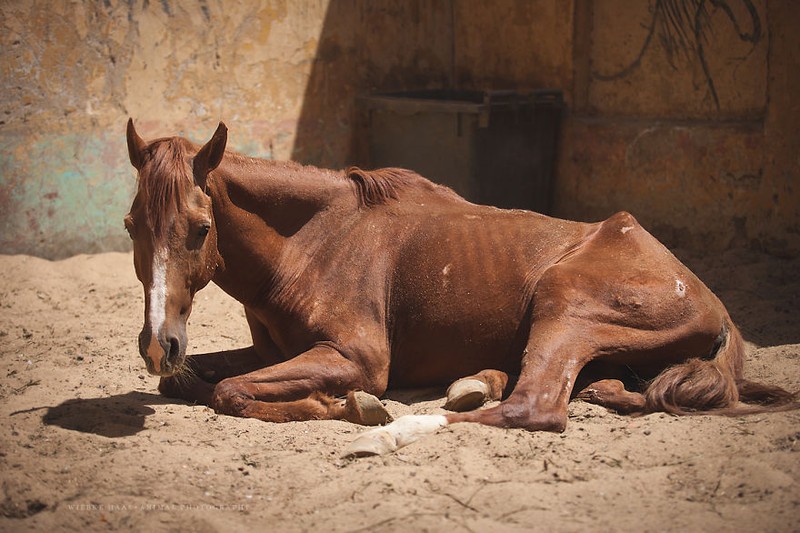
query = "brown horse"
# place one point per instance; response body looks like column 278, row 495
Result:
column 356, row 281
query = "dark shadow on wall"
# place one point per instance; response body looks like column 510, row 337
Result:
column 369, row 46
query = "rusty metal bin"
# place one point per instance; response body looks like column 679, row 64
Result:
column 492, row 147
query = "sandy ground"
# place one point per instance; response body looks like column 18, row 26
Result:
column 87, row 443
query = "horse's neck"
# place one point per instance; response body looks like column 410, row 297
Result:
column 260, row 208
column 279, row 180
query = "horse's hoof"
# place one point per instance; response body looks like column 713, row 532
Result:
column 401, row 432
column 466, row 394
column 365, row 409
column 371, row 443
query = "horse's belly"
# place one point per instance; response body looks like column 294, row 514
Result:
column 444, row 331
column 444, row 357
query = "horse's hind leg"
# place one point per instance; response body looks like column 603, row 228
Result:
column 551, row 363
column 554, row 357
column 472, row 392
column 612, row 386
column 611, row 394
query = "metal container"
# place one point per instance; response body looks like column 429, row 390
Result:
column 492, row 147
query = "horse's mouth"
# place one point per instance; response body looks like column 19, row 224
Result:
column 165, row 370
column 165, row 358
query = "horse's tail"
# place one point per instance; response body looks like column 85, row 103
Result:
column 715, row 385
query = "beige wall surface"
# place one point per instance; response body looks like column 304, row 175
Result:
column 687, row 118
column 74, row 71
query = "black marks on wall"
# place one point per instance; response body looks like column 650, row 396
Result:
column 684, row 28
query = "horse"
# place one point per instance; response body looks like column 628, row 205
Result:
column 357, row 281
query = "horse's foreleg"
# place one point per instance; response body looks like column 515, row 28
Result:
column 302, row 388
column 196, row 380
column 358, row 407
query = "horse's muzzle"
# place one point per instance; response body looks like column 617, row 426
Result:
column 163, row 354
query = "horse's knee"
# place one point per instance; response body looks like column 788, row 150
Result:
column 230, row 397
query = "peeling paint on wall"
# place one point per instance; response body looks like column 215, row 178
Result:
column 62, row 194
column 73, row 72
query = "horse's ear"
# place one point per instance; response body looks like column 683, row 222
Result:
column 136, row 146
column 210, row 155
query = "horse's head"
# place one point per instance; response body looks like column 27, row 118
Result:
column 174, row 239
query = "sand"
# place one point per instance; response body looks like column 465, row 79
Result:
column 88, row 444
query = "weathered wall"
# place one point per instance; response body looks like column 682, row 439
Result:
column 703, row 163
column 699, row 141
column 72, row 73
column 686, row 120
column 368, row 46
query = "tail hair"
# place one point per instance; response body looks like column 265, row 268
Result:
column 715, row 385
column 762, row 394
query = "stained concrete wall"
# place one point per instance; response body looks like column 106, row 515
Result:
column 688, row 121
column 73, row 71
column 699, row 141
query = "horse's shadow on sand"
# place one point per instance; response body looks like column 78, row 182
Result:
column 115, row 416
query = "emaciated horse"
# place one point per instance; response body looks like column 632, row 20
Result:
column 356, row 281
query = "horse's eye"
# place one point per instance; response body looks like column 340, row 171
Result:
column 203, row 231
column 129, row 227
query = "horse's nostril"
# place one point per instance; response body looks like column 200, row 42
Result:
column 174, row 350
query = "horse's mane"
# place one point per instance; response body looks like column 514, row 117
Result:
column 371, row 187
column 163, row 180
column 375, row 187
column 165, row 177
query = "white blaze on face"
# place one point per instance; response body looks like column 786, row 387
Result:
column 158, row 292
